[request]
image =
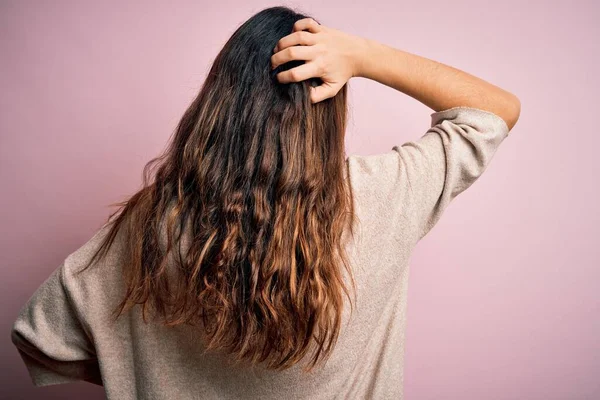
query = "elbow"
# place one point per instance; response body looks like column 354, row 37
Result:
column 512, row 111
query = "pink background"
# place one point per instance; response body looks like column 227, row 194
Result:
column 503, row 300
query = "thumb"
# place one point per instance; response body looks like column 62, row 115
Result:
column 321, row 92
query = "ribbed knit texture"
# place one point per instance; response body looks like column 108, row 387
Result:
column 65, row 333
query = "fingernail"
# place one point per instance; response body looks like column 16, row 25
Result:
column 275, row 49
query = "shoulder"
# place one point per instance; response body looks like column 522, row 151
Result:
column 91, row 287
column 377, row 171
column 382, row 189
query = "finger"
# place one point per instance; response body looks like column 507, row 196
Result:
column 301, row 37
column 321, row 92
column 307, row 24
column 292, row 53
column 299, row 73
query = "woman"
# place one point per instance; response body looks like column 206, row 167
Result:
column 258, row 261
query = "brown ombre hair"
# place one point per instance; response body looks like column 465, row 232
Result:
column 255, row 180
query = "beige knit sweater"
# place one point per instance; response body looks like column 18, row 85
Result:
column 64, row 332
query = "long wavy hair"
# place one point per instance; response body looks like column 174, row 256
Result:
column 254, row 182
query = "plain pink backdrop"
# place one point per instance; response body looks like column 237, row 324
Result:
column 504, row 292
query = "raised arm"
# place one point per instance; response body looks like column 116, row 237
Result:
column 336, row 56
column 472, row 117
column 434, row 84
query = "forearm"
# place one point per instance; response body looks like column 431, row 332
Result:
column 434, row 84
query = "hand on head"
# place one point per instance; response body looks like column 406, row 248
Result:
column 329, row 54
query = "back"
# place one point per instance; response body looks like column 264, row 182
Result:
column 65, row 332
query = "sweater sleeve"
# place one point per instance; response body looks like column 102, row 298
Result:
column 50, row 336
column 448, row 158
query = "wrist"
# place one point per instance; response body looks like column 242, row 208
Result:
column 360, row 57
column 366, row 55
